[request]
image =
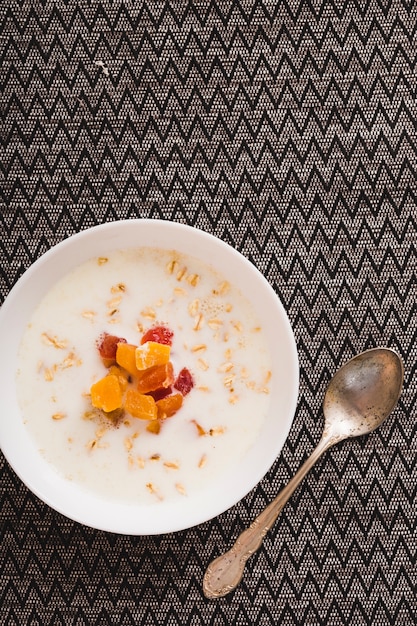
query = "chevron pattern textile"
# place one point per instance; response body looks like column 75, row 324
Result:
column 287, row 128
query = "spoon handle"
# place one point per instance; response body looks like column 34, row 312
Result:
column 226, row 571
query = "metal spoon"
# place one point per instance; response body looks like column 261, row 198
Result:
column 359, row 398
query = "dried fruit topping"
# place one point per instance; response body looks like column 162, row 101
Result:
column 154, row 427
column 126, row 357
column 106, row 393
column 140, row 379
column 107, row 348
column 169, row 405
column 140, row 405
column 155, row 378
column 159, row 394
column 151, row 353
column 159, row 334
column 122, row 376
column 184, row 382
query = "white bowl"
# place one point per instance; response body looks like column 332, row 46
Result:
column 173, row 515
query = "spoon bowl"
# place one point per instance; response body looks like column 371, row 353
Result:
column 360, row 396
column 362, row 393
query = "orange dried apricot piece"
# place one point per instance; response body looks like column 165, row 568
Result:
column 126, row 357
column 169, row 405
column 121, row 374
column 152, row 353
column 140, row 406
column 157, row 377
column 154, row 427
column 106, row 393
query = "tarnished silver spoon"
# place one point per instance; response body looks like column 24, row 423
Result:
column 359, row 398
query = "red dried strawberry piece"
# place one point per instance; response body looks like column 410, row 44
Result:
column 107, row 347
column 184, row 382
column 159, row 334
column 159, row 394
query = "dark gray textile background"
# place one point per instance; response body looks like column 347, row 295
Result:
column 288, row 129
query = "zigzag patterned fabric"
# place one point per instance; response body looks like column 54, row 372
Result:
column 288, row 129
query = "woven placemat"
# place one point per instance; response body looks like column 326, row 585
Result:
column 287, row 129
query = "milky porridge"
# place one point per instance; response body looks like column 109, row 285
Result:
column 216, row 337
